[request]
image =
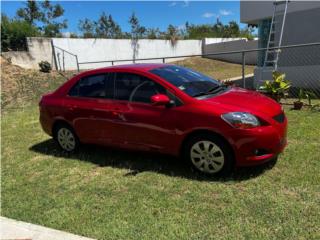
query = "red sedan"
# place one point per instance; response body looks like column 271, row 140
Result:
column 168, row 109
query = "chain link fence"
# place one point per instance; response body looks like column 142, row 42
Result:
column 300, row 63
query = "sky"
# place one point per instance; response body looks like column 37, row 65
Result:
column 157, row 14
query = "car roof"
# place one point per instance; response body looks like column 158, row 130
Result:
column 137, row 66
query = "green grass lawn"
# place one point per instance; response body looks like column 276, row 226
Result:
column 113, row 194
column 214, row 68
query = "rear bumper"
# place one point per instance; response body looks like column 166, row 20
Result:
column 257, row 146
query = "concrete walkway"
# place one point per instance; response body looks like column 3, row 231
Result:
column 16, row 230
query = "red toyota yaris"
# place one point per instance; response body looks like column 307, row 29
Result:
column 168, row 109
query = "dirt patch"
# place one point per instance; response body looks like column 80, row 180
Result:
column 21, row 87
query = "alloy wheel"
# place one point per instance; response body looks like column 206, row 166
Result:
column 207, row 157
column 66, row 139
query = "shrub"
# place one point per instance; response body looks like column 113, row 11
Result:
column 278, row 87
column 14, row 33
column 45, row 66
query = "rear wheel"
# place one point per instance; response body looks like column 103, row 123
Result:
column 209, row 154
column 66, row 138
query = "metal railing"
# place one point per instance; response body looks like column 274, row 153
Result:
column 292, row 53
column 56, row 57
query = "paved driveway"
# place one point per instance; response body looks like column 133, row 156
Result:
column 16, row 230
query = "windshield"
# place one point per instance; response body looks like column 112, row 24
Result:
column 191, row 82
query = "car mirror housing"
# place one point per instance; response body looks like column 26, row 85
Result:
column 160, row 100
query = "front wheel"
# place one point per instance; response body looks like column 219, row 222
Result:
column 209, row 154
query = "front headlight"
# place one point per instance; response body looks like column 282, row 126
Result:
column 241, row 120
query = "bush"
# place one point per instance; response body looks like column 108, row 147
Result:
column 14, row 33
column 278, row 87
column 45, row 66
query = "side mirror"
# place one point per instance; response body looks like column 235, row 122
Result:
column 160, row 100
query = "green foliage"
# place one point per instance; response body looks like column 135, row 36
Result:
column 14, row 33
column 50, row 14
column 87, row 27
column 106, row 27
column 137, row 31
column 217, row 30
column 247, row 33
column 153, row 33
column 31, row 12
column 45, row 66
column 278, row 87
column 73, row 35
column 46, row 13
column 172, row 34
column 303, row 94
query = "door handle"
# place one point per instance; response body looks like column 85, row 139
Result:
column 71, row 108
column 115, row 113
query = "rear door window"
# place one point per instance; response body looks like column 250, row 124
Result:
column 94, row 86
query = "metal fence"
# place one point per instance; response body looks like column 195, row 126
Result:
column 300, row 63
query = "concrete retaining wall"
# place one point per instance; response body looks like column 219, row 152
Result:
column 238, row 45
column 90, row 50
column 40, row 49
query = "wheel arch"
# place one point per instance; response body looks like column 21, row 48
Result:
column 57, row 123
column 197, row 132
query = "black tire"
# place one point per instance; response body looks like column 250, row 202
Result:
column 210, row 158
column 67, row 146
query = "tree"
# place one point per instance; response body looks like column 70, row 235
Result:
column 106, row 27
column 247, row 32
column 153, row 33
column 14, row 33
column 46, row 13
column 172, row 35
column 49, row 15
column 73, row 35
column 115, row 30
column 137, row 32
column 201, row 31
column 231, row 30
column 30, row 13
column 87, row 27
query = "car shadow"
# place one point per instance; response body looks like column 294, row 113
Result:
column 138, row 162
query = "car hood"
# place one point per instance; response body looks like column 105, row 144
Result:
column 238, row 99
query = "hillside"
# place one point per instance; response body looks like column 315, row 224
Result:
column 216, row 69
column 20, row 87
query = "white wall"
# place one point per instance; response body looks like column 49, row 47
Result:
column 219, row 40
column 39, row 49
column 89, row 50
column 238, row 45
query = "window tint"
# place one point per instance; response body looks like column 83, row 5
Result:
column 136, row 88
column 95, row 86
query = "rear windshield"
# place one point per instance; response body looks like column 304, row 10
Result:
column 191, row 82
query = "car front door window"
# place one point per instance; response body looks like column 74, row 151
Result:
column 136, row 88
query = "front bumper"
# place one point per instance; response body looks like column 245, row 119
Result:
column 258, row 145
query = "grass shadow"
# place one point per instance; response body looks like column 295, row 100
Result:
column 138, row 162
